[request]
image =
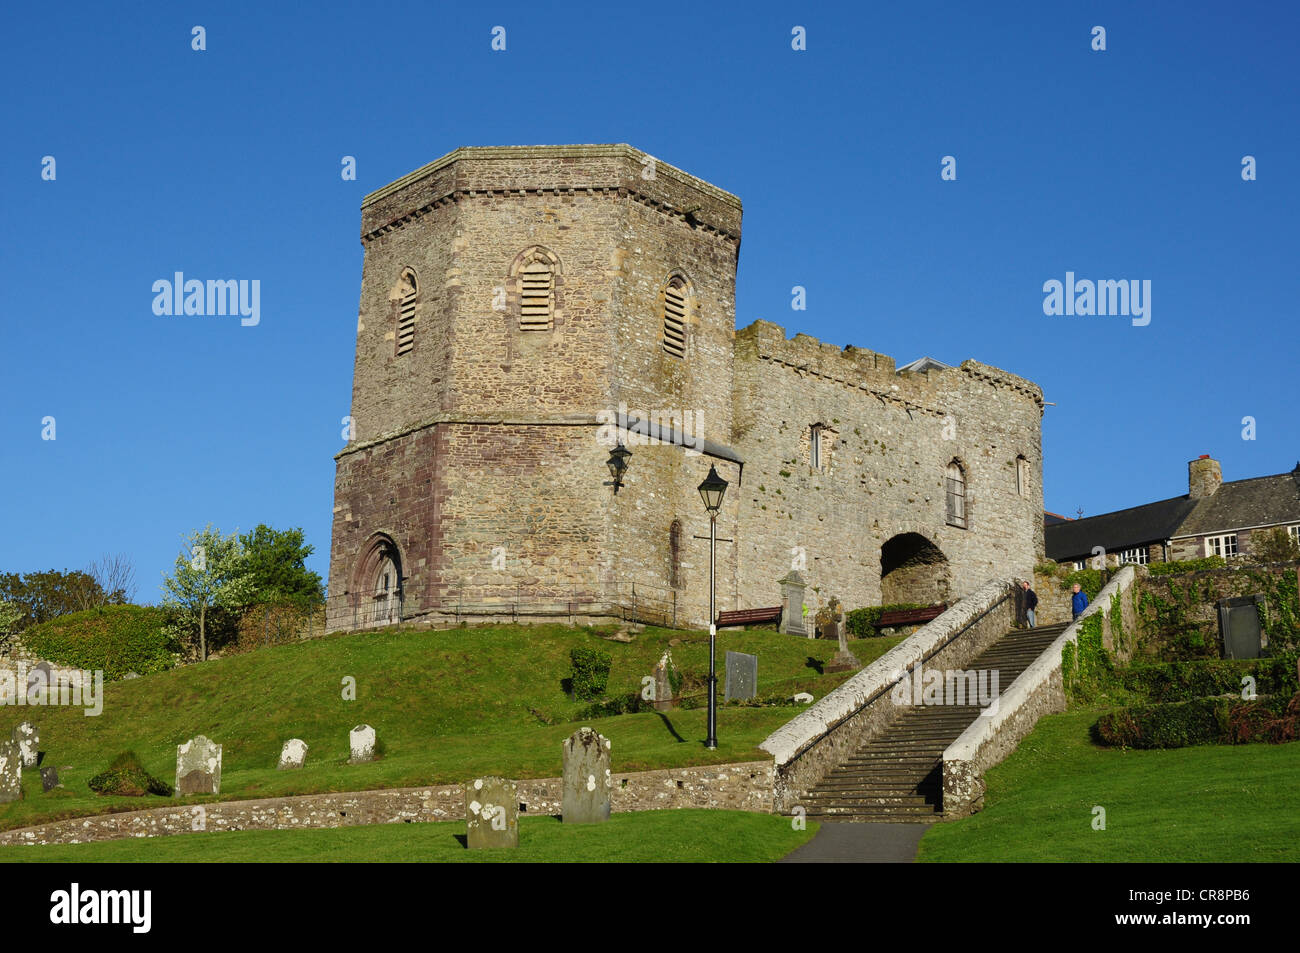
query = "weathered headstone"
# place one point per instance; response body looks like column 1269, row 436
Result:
column 361, row 741
column 803, row 698
column 742, row 676
column 491, row 813
column 663, row 683
column 198, row 767
column 26, row 737
column 792, row 591
column 39, row 679
column 50, row 779
column 130, row 675
column 1240, row 630
column 293, row 754
column 11, row 772
column 587, row 779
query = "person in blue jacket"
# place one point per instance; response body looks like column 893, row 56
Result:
column 1079, row 601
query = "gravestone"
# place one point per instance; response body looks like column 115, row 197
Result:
column 293, row 754
column 129, row 675
column 11, row 772
column 49, row 779
column 361, row 741
column 587, row 779
column 491, row 814
column 742, row 676
column 803, row 698
column 39, row 678
column 844, row 660
column 26, row 737
column 792, row 590
column 663, row 683
column 198, row 767
column 1240, row 630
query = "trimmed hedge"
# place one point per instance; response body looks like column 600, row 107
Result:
column 112, row 639
column 1202, row 721
column 1184, row 681
column 1186, row 565
column 866, row 621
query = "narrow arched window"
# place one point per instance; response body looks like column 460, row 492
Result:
column 675, row 554
column 1022, row 476
column 675, row 298
column 956, row 486
column 410, row 293
column 536, row 296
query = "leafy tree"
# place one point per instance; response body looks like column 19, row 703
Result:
column 47, row 595
column 1275, row 546
column 276, row 562
column 11, row 617
column 211, row 574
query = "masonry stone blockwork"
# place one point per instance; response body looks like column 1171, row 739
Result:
column 515, row 299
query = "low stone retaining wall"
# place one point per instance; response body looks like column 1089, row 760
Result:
column 742, row 787
column 806, row 748
column 1038, row 691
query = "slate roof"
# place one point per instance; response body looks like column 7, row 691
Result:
column 1123, row 529
column 1051, row 519
column 1260, row 501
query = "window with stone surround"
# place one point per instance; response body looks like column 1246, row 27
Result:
column 676, row 298
column 675, row 554
column 1022, row 476
column 1295, row 533
column 955, row 480
column 534, row 277
column 409, row 291
column 819, row 446
column 1139, row 555
column 1225, row 545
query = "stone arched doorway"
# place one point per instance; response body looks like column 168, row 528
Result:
column 378, row 582
column 913, row 569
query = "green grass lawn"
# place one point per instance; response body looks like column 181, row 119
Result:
column 447, row 705
column 645, row 836
column 1206, row 803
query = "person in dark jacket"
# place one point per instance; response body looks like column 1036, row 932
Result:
column 1079, row 601
column 1031, row 603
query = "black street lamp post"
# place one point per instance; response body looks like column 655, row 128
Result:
column 712, row 490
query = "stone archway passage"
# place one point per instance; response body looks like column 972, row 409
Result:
column 913, row 569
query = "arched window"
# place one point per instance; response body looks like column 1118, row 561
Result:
column 536, row 296
column 377, row 588
column 675, row 304
column 675, row 554
column 956, row 485
column 386, row 602
column 1022, row 476
column 815, row 446
column 410, row 293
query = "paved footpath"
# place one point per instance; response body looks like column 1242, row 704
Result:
column 846, row 843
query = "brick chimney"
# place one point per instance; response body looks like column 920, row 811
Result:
column 1203, row 476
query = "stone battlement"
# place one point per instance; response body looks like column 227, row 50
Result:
column 866, row 369
column 517, row 170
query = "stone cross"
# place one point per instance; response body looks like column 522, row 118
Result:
column 198, row 767
column 844, row 661
column 491, row 813
column 792, row 591
column 27, row 738
column 11, row 772
column 742, row 676
column 587, row 779
column 293, row 754
column 361, row 740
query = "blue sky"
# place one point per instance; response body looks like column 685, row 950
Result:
column 225, row 163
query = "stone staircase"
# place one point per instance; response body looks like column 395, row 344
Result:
column 898, row 775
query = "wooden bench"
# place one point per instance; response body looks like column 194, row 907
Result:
column 748, row 616
column 911, row 616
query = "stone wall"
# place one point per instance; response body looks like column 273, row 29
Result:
column 806, row 748
column 885, row 473
column 736, row 787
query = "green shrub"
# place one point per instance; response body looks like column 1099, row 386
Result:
column 126, row 777
column 1184, row 681
column 1089, row 580
column 1186, row 565
column 112, row 639
column 590, row 673
column 865, row 622
column 1202, row 721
